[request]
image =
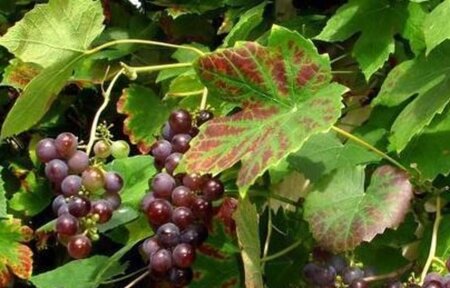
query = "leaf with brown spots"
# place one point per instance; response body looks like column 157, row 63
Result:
column 18, row 74
column 341, row 214
column 286, row 94
column 15, row 258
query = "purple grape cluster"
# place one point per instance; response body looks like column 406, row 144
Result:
column 87, row 195
column 435, row 280
column 178, row 207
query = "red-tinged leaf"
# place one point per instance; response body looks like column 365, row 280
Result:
column 145, row 115
column 287, row 96
column 19, row 74
column 15, row 258
column 341, row 214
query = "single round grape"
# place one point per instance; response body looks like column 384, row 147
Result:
column 159, row 212
column 58, row 202
column 194, row 132
column 120, row 149
column 161, row 149
column 168, row 235
column 180, row 143
column 183, row 255
column 148, row 198
column 180, row 121
column 46, row 150
column 360, row 283
column 161, row 261
column 167, row 132
column 182, row 217
column 93, row 179
column 182, row 196
column 193, row 181
column 172, row 162
column 204, row 116
column 79, row 207
column 56, row 170
column 102, row 149
column 351, row 274
column 162, row 185
column 79, row 246
column 181, row 277
column 202, row 209
column 213, row 190
column 103, row 209
column 66, row 144
column 150, row 247
column 66, row 224
column 194, row 235
column 338, row 262
column 78, row 162
column 113, row 199
column 71, row 185
column 113, row 182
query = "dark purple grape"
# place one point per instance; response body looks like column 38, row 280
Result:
column 46, row 150
column 204, row 116
column 338, row 262
column 159, row 212
column 103, row 209
column 148, row 198
column 433, row 284
column 58, row 202
column 432, row 277
column 113, row 182
column 150, row 247
column 202, row 209
column 193, row 181
column 194, row 132
column 162, row 185
column 213, row 190
column 183, row 255
column 161, row 261
column 180, row 143
column 172, row 162
column 180, row 277
column 114, row 199
column 79, row 246
column 319, row 275
column 195, row 235
column 66, row 144
column 182, row 217
column 56, row 170
column 79, row 207
column 182, row 196
column 180, row 121
column 78, row 162
column 351, row 274
column 71, row 185
column 66, row 224
column 102, row 149
column 161, row 149
column 93, row 179
column 360, row 283
column 168, row 235
column 167, row 132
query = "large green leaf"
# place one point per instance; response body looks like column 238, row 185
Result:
column 413, row 27
column 145, row 115
column 436, row 26
column 247, row 229
column 377, row 20
column 287, row 96
column 342, row 215
column 430, row 79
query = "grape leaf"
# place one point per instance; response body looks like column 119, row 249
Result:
column 287, row 97
column 3, row 207
column 349, row 215
column 60, row 28
column 247, row 228
column 15, row 258
column 145, row 115
column 413, row 27
column 436, row 26
column 18, row 74
column 377, row 20
column 292, row 187
column 426, row 76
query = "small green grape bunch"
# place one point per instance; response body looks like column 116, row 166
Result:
column 106, row 147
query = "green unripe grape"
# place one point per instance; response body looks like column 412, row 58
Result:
column 120, row 149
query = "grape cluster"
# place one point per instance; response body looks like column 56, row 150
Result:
column 435, row 280
column 87, row 195
column 178, row 206
column 324, row 273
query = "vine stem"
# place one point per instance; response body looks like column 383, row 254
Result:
column 369, row 147
column 106, row 96
column 135, row 281
column 433, row 245
column 204, row 99
column 129, row 70
column 145, row 42
column 282, row 252
column 269, row 231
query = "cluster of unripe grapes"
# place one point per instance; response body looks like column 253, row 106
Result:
column 87, row 195
column 178, row 206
